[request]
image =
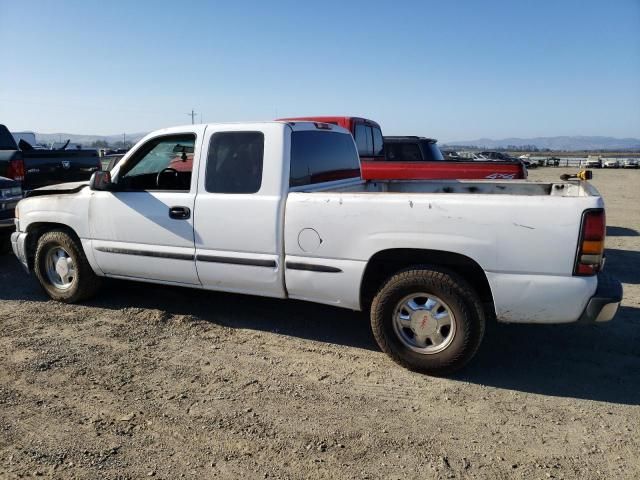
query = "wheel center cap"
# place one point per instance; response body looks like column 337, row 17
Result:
column 422, row 322
column 61, row 267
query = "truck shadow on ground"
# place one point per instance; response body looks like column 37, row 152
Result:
column 594, row 362
column 621, row 232
column 598, row 362
column 623, row 264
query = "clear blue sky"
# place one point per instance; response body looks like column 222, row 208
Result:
column 454, row 70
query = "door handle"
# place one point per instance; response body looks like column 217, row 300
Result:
column 179, row 213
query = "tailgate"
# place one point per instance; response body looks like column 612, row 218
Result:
column 43, row 168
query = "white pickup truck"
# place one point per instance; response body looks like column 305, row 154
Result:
column 279, row 209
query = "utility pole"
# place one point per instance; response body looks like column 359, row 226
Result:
column 193, row 116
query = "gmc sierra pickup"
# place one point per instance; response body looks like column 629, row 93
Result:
column 279, row 209
column 38, row 168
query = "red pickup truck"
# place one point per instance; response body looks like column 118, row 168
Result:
column 413, row 158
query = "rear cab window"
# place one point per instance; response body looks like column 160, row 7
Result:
column 378, row 142
column 369, row 140
column 321, row 156
column 364, row 140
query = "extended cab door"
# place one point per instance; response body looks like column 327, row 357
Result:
column 144, row 229
column 239, row 209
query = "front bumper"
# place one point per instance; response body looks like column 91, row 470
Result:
column 19, row 245
column 7, row 223
column 602, row 307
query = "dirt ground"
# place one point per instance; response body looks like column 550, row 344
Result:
column 148, row 381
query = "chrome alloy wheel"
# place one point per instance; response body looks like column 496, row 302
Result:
column 424, row 323
column 60, row 268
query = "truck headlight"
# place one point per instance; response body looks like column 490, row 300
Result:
column 11, row 192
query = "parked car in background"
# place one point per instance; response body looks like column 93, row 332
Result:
column 501, row 156
column 631, row 163
column 611, row 163
column 451, row 155
column 412, row 149
column 10, row 195
column 593, row 161
column 34, row 168
column 279, row 209
column 413, row 158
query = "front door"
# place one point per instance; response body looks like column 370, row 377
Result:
column 144, row 229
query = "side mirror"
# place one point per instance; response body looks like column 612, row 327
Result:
column 101, row 181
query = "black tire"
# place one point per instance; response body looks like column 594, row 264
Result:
column 462, row 301
column 85, row 282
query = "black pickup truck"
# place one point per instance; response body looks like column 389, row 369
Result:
column 40, row 168
column 10, row 195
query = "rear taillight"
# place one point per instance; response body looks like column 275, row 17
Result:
column 16, row 169
column 591, row 245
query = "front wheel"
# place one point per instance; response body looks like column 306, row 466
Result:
column 428, row 320
column 63, row 269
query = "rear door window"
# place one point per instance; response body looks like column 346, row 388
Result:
column 410, row 152
column 234, row 163
column 403, row 152
column 320, row 156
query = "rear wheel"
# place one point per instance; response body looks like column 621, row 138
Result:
column 63, row 269
column 428, row 320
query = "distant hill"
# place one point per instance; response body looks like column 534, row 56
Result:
column 557, row 143
column 87, row 139
column 552, row 143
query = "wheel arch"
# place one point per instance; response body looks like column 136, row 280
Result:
column 35, row 230
column 386, row 263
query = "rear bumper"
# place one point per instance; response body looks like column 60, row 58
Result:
column 603, row 306
column 19, row 244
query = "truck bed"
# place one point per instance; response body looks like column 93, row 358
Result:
column 505, row 227
column 483, row 187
